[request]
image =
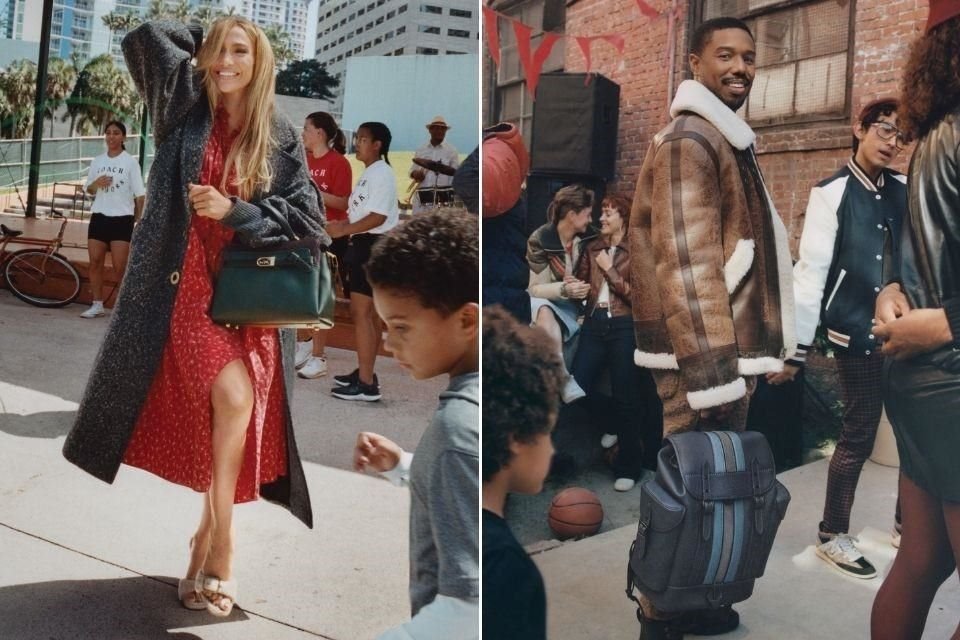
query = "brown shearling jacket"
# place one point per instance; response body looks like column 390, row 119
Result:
column 711, row 273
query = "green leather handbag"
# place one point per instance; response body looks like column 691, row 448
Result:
column 289, row 285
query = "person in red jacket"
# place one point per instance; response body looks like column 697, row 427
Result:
column 325, row 145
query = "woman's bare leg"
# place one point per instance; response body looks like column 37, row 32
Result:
column 119, row 253
column 367, row 332
column 200, row 543
column 320, row 343
column 232, row 401
column 924, row 561
column 951, row 515
column 547, row 321
column 97, row 252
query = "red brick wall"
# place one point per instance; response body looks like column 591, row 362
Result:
column 793, row 157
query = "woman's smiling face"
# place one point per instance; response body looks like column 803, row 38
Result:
column 233, row 69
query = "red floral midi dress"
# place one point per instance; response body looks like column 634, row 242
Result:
column 173, row 435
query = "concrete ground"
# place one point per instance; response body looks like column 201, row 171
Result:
column 799, row 597
column 81, row 559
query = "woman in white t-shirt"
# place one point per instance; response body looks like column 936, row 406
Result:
column 372, row 211
column 115, row 181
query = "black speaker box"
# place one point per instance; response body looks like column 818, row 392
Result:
column 575, row 125
column 542, row 187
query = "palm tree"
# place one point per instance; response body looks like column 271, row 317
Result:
column 206, row 15
column 6, row 113
column 60, row 78
column 159, row 9
column 102, row 92
column 280, row 43
column 120, row 22
column 18, row 84
column 181, row 11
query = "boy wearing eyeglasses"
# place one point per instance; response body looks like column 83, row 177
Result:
column 851, row 217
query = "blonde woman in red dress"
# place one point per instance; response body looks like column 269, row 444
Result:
column 193, row 402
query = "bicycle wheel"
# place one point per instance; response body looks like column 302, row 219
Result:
column 42, row 280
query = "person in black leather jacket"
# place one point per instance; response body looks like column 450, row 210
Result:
column 918, row 317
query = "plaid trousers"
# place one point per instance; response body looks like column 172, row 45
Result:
column 862, row 405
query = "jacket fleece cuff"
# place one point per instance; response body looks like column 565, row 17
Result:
column 655, row 360
column 952, row 308
column 715, row 396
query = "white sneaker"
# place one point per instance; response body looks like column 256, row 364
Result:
column 572, row 391
column 841, row 552
column 95, row 310
column 608, row 440
column 304, row 353
column 624, row 484
column 314, row 367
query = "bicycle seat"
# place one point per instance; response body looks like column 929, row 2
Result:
column 7, row 231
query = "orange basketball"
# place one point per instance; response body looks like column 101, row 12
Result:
column 575, row 512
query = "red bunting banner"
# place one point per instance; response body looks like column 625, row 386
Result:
column 532, row 61
column 585, row 50
column 647, row 10
column 493, row 34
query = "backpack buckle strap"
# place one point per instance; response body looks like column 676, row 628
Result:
column 707, row 519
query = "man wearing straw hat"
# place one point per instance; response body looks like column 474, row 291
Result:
column 433, row 167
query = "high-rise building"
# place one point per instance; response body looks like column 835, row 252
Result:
column 347, row 28
column 289, row 15
column 77, row 25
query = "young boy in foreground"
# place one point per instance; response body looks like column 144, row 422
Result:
column 425, row 280
column 523, row 376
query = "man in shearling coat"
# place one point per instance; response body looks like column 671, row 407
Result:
column 711, row 283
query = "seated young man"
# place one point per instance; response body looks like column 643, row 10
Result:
column 523, row 376
column 425, row 276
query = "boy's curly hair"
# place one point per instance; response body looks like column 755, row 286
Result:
column 434, row 256
column 522, row 379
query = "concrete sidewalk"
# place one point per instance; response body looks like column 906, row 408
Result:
column 800, row 597
column 86, row 560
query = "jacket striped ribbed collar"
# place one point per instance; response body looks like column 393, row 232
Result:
column 862, row 176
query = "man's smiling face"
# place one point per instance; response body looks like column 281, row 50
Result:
column 727, row 65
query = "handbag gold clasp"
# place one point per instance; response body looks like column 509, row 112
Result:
column 267, row 261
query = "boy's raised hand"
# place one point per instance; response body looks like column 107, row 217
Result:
column 375, row 452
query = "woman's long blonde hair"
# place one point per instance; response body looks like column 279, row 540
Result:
column 250, row 154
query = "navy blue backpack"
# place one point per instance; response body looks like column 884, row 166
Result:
column 708, row 519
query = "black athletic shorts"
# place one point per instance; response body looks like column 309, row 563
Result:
column 357, row 255
column 110, row 228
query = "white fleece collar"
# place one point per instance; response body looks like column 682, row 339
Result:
column 693, row 96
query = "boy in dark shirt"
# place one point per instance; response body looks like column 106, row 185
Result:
column 522, row 377
column 425, row 276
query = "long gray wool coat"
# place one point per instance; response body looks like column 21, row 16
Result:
column 158, row 55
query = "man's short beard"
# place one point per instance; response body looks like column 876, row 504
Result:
column 739, row 102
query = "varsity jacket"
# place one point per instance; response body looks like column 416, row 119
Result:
column 711, row 285
column 850, row 223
